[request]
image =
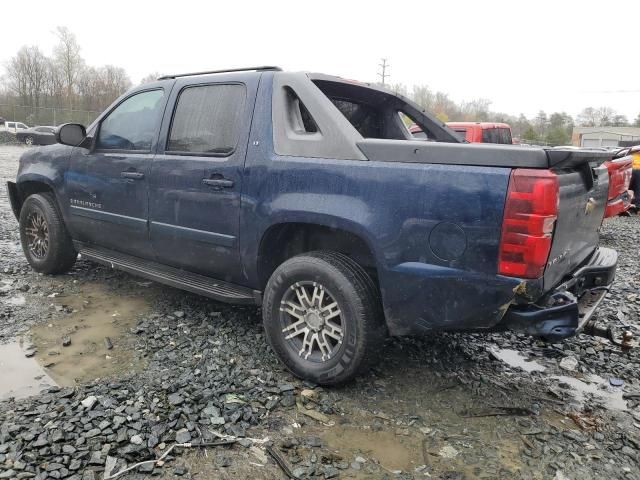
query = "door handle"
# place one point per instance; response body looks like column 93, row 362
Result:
column 218, row 182
column 132, row 175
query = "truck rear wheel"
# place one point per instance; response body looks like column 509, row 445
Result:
column 323, row 318
column 44, row 237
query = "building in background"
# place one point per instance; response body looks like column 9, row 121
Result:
column 604, row 136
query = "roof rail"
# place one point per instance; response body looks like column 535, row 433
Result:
column 229, row 70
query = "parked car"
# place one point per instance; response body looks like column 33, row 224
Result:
column 42, row 135
column 13, row 127
column 475, row 132
column 306, row 194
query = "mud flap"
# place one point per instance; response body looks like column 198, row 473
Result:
column 14, row 199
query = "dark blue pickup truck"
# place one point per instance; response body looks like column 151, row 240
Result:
column 308, row 195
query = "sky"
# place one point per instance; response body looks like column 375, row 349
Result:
column 560, row 55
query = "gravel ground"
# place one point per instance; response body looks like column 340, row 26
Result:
column 185, row 369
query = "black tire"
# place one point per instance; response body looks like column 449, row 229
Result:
column 59, row 254
column 358, row 302
column 28, row 140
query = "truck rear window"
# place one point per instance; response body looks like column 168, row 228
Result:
column 374, row 112
column 365, row 118
column 497, row 135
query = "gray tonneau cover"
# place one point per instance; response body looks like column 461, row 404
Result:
column 481, row 154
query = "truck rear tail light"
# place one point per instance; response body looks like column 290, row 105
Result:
column 530, row 213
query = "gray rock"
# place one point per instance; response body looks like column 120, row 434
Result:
column 223, row 460
column 175, row 399
column 136, row 440
column 217, row 421
column 89, row 402
column 569, row 364
column 180, row 470
column 183, row 436
column 330, row 472
column 94, row 432
column 68, row 449
column 89, row 475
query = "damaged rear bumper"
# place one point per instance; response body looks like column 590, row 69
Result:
column 564, row 311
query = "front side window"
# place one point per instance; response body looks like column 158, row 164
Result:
column 22, row 126
column 133, row 124
column 207, row 119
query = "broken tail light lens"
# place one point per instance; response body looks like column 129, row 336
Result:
column 530, row 213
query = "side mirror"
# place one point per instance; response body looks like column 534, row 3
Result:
column 71, row 134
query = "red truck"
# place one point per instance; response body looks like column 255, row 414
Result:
column 475, row 132
column 620, row 197
column 483, row 132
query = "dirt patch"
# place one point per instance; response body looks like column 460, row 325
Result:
column 95, row 313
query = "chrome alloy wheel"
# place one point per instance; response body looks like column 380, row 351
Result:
column 37, row 232
column 312, row 321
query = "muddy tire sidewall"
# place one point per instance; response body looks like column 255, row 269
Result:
column 60, row 255
column 357, row 317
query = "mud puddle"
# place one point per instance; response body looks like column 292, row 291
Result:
column 390, row 451
column 20, row 376
column 96, row 318
column 579, row 388
column 515, row 359
column 596, row 387
column 422, row 423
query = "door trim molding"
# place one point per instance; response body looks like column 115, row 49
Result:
column 102, row 216
column 193, row 234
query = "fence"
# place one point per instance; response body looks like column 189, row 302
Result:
column 46, row 115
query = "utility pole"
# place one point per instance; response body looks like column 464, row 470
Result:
column 384, row 66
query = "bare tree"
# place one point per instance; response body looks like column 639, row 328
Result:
column 599, row 117
column 67, row 56
column 26, row 73
column 152, row 77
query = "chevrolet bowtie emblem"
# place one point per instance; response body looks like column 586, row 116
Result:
column 591, row 204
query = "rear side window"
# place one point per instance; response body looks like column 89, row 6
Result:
column 132, row 125
column 462, row 133
column 497, row 135
column 207, row 119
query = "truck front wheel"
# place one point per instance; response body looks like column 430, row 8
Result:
column 44, row 237
column 322, row 316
